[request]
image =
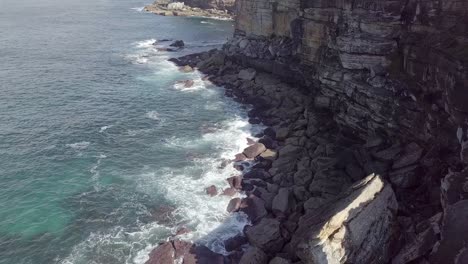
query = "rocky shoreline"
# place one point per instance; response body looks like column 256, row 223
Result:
column 166, row 8
column 317, row 192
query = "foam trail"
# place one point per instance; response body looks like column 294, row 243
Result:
column 79, row 145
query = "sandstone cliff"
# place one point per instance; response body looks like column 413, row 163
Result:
column 395, row 70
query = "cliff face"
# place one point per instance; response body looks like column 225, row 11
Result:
column 399, row 66
column 214, row 4
column 396, row 69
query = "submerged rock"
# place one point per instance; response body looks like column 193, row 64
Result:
column 178, row 44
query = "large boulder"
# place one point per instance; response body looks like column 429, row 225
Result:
column 254, row 208
column 254, row 150
column 356, row 227
column 254, row 255
column 266, row 235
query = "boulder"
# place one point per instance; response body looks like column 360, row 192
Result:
column 178, row 44
column 186, row 69
column 281, row 202
column 357, row 227
column 257, row 174
column 234, row 205
column 405, row 177
column 239, row 157
column 211, row 191
column 235, row 182
column 162, row 254
column 230, row 191
column 254, row 255
column 254, row 208
column 266, row 235
column 254, row 150
column 269, row 154
column 234, row 243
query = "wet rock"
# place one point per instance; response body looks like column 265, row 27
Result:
column 239, row 157
column 254, row 255
column 266, row 235
column 230, row 191
column 186, row 69
column 234, row 205
column 250, row 141
column 388, row 154
column 178, row 44
column 235, row 182
column 234, row 243
column 211, row 191
column 257, row 174
column 254, row 150
column 270, row 132
column 357, row 227
column 182, row 231
column 162, row 254
column 254, row 208
column 322, row 102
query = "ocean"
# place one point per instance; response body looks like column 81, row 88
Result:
column 102, row 154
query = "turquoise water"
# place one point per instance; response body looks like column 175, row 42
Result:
column 97, row 141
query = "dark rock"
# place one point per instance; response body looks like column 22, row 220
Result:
column 279, row 260
column 266, row 235
column 281, row 202
column 254, row 255
column 234, row 243
column 270, row 132
column 247, row 74
column 212, row 190
column 410, row 156
column 254, row 208
column 234, row 205
column 178, row 44
column 405, row 177
column 454, row 188
column 257, row 174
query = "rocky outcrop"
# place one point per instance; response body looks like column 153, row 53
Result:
column 359, row 227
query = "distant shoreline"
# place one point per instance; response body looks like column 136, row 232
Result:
column 187, row 11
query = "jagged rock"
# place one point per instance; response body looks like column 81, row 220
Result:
column 183, row 252
column 322, row 102
column 254, row 255
column 454, row 187
column 266, row 235
column 239, row 157
column 254, row 150
column 230, row 191
column 358, row 227
column 257, row 174
column 454, row 234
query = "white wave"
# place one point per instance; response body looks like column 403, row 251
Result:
column 198, row 84
column 104, row 128
column 185, row 187
column 206, row 22
column 79, row 145
column 148, row 43
column 153, row 115
column 96, row 173
column 124, row 245
column 138, row 9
